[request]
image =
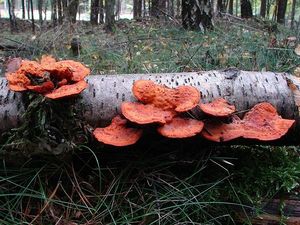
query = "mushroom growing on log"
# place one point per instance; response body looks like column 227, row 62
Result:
column 103, row 98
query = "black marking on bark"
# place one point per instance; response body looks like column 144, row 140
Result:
column 123, row 80
column 247, row 105
column 243, row 91
column 102, row 79
column 172, row 80
column 6, row 99
column 116, row 109
column 265, row 88
column 267, row 80
column 19, row 105
column 251, row 88
column 123, row 97
column 5, row 117
column 219, row 90
column 102, row 105
column 115, row 84
column 94, row 92
column 198, row 83
column 117, row 95
column 176, row 83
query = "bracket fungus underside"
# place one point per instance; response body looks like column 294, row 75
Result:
column 117, row 134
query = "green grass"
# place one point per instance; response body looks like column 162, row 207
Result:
column 162, row 182
column 159, row 185
column 150, row 47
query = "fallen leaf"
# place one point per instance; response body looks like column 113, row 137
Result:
column 297, row 72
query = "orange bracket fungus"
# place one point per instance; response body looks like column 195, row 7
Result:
column 117, row 134
column 218, row 131
column 262, row 123
column 145, row 114
column 180, row 99
column 218, row 107
column 181, row 128
column 53, row 79
column 160, row 103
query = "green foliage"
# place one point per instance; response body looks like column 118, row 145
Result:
column 149, row 47
column 49, row 127
column 165, row 183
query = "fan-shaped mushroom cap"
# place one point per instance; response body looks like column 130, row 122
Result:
column 218, row 107
column 117, row 133
column 262, row 122
column 181, row 128
column 180, row 99
column 17, row 81
column 68, row 90
column 215, row 130
column 145, row 114
column 43, row 88
column 47, row 62
column 78, row 70
column 31, row 68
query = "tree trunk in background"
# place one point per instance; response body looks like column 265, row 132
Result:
column 158, row 8
column 281, row 8
column 40, row 9
column 109, row 15
column 178, row 8
column 54, row 12
column 101, row 12
column 293, row 14
column 263, row 8
column 12, row 16
column 59, row 11
column 101, row 101
column 221, row 6
column 94, row 12
column 23, row 9
column 144, row 8
column 32, row 17
column 118, row 9
column 197, row 15
column 246, row 9
column 137, row 9
column 28, row 9
column 72, row 10
column 171, row 9
column 230, row 7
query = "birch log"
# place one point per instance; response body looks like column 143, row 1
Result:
column 102, row 100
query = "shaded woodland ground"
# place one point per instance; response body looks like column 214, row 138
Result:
column 166, row 181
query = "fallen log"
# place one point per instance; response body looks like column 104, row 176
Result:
column 102, row 99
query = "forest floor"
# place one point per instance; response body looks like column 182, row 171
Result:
column 167, row 182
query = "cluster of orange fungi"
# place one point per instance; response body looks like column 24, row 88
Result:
column 157, row 104
column 54, row 79
column 166, row 106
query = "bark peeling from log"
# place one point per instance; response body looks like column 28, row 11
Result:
column 103, row 98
